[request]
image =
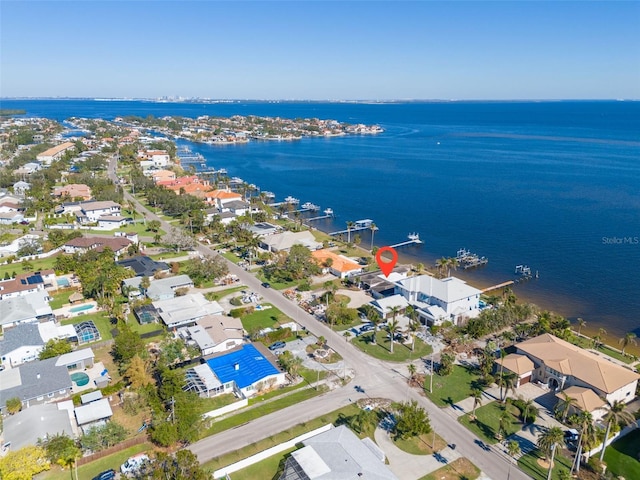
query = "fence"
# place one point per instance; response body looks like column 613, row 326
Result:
column 224, row 472
column 116, row 448
column 227, row 408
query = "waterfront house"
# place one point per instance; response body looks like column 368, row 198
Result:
column 436, row 301
column 559, row 364
column 338, row 265
column 154, row 159
column 118, row 245
column 219, row 198
column 282, row 242
column 161, row 175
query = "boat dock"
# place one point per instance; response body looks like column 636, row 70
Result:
column 496, row 287
column 524, row 273
column 466, row 259
column 318, row 218
column 413, row 238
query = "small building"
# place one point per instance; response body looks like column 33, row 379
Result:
column 76, row 360
column 165, row 288
column 93, row 414
column 113, row 222
column 90, row 397
column 247, row 370
column 263, row 228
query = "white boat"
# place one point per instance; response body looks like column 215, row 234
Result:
column 414, row 236
column 291, row 200
column 310, row 206
column 363, row 223
column 269, row 194
column 328, row 211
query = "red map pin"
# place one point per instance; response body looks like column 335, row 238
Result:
column 386, row 267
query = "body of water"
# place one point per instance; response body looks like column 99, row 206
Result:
column 552, row 185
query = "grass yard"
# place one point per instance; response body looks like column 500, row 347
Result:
column 231, row 257
column 271, row 467
column 264, row 318
column 277, row 285
column 279, row 437
column 486, row 423
column 92, row 469
column 421, row 445
column 530, row 464
column 166, row 256
column 36, row 265
column 219, row 401
column 623, row 456
column 101, row 321
column 452, row 388
column 139, row 227
column 459, row 469
column 61, row 298
column 215, row 296
column 382, row 348
column 261, row 410
column 607, row 350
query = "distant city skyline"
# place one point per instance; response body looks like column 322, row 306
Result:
column 321, row 50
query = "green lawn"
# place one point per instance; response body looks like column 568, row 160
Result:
column 165, row 256
column 277, row 285
column 92, row 469
column 36, row 265
column 251, row 414
column 61, row 298
column 485, row 425
column 452, row 388
column 215, row 296
column 219, row 401
column 231, row 257
column 280, row 437
column 264, row 318
column 382, row 348
column 605, row 349
column 100, row 319
column 421, row 445
column 622, row 457
column 459, row 469
column 271, row 467
column 139, row 227
column 529, row 464
column 144, row 327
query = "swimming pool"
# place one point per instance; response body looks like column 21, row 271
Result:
column 63, row 282
column 80, row 378
column 81, row 308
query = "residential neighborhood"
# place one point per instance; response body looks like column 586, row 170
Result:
column 148, row 309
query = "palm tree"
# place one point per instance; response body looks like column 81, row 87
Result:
column 503, row 422
column 628, row 339
column 513, row 449
column 616, row 414
column 500, row 375
column 547, row 442
column 452, row 262
column 350, row 225
column 528, row 406
column 393, row 327
column 412, row 371
column 373, row 229
column 510, row 381
column 564, row 406
column 476, row 394
column 588, row 436
column 441, row 264
column 413, row 328
column 581, row 323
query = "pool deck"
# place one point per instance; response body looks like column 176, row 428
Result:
column 66, row 312
column 93, row 372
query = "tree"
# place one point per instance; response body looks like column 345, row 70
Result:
column 14, row 405
column 350, row 225
column 476, row 394
column 393, row 327
column 201, row 269
column 61, row 449
column 628, row 339
column 581, row 323
column 54, row 348
column 528, row 410
column 126, row 345
column 412, row 371
column 154, row 226
column 373, row 230
column 23, row 464
column 616, row 414
column 548, row 440
column 587, row 439
column 503, row 423
column 178, row 239
column 364, row 419
column 563, row 407
column 412, row 420
column 183, row 465
column 137, row 373
column 441, row 264
column 446, row 364
column 513, row 449
column 510, row 380
column 414, row 327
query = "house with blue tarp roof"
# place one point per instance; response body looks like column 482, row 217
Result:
column 246, row 369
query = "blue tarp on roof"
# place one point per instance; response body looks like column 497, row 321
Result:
column 252, row 366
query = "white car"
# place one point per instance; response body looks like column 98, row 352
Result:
column 133, row 464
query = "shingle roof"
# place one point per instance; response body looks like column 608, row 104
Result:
column 143, row 266
column 26, row 427
column 34, row 379
column 20, row 335
column 572, row 360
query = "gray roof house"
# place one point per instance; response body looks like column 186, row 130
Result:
column 165, row 288
column 22, row 343
column 337, row 454
column 144, row 266
column 35, row 383
column 26, row 427
column 27, row 308
column 182, row 311
column 93, row 414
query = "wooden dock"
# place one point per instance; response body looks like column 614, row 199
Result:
column 496, row 287
column 477, row 262
column 353, row 229
column 318, row 218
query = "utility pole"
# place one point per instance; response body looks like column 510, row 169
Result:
column 431, row 377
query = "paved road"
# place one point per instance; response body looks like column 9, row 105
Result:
column 377, row 378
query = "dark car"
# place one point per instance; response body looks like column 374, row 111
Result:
column 367, row 328
column 266, row 284
column 277, row 345
column 106, row 475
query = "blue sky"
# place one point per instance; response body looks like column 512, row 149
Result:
column 317, row 50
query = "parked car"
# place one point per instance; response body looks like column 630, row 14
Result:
column 266, row 284
column 133, row 464
column 367, row 328
column 106, row 475
column 277, row 345
column 571, row 435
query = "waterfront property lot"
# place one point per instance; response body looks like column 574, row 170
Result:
column 452, row 388
column 487, row 422
column 622, row 456
column 534, row 465
column 382, row 348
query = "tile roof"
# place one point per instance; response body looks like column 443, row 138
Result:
column 339, row 263
column 518, row 364
column 586, row 399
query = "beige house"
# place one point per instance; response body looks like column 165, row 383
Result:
column 54, row 153
column 561, row 366
column 521, row 365
column 214, row 334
